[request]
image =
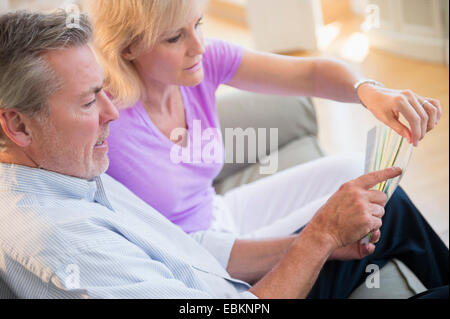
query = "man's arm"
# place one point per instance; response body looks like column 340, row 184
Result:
column 297, row 272
column 352, row 212
column 250, row 260
column 118, row 271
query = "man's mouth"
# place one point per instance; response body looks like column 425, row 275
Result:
column 101, row 142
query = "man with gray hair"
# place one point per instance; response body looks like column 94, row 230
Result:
column 30, row 44
column 69, row 231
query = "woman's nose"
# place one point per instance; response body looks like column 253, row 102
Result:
column 197, row 45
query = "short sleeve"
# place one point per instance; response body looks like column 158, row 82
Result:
column 221, row 60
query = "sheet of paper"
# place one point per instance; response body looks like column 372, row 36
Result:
column 385, row 148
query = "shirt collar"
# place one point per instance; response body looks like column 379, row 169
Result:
column 45, row 183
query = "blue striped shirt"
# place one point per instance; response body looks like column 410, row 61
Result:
column 64, row 237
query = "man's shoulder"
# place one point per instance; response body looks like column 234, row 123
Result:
column 39, row 241
column 116, row 190
column 50, row 231
column 27, row 239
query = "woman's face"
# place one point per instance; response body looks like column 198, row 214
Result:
column 176, row 59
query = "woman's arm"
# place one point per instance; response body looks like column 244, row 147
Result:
column 334, row 79
column 277, row 74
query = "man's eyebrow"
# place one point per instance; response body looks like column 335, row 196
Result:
column 93, row 90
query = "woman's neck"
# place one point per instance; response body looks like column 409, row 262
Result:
column 161, row 98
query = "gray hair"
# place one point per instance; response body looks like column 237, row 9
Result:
column 26, row 80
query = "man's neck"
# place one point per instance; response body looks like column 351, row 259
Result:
column 17, row 158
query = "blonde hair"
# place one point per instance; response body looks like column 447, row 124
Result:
column 120, row 23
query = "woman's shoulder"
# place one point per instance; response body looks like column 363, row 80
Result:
column 218, row 49
column 221, row 59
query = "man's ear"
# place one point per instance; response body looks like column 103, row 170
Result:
column 16, row 126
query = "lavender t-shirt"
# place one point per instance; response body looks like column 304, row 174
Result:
column 174, row 180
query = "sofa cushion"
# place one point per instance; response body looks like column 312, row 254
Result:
column 296, row 152
column 397, row 281
column 294, row 117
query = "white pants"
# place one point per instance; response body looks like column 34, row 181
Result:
column 280, row 204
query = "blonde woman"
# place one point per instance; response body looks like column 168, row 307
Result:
column 163, row 75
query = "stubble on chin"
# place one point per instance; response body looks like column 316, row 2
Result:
column 66, row 157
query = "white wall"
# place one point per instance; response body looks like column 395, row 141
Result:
column 413, row 28
column 4, row 5
column 359, row 6
column 285, row 25
column 40, row 5
column 238, row 2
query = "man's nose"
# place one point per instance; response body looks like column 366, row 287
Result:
column 108, row 112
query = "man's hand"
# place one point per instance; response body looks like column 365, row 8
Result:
column 356, row 250
column 352, row 212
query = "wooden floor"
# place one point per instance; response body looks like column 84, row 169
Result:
column 343, row 127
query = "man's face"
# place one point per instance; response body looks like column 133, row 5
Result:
column 72, row 140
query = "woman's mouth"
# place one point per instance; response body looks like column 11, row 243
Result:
column 195, row 67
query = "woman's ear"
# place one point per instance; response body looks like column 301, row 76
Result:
column 128, row 53
column 16, row 127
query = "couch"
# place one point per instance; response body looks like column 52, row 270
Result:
column 295, row 118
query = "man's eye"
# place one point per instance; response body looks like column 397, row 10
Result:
column 175, row 39
column 90, row 104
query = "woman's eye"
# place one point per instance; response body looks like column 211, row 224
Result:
column 175, row 39
column 199, row 24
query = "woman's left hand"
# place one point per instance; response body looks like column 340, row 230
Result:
column 386, row 105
